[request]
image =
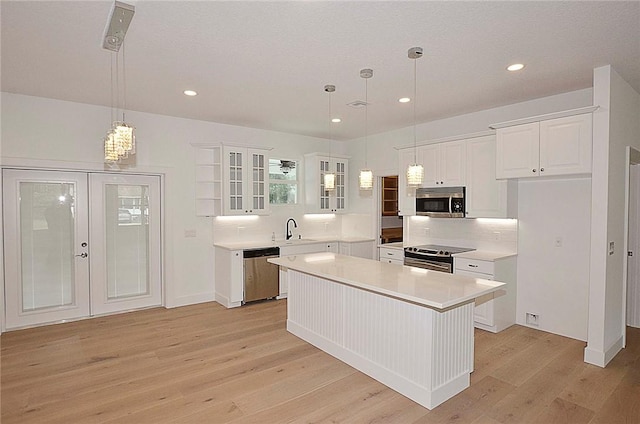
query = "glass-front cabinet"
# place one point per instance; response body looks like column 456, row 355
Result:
column 318, row 198
column 231, row 180
column 245, row 181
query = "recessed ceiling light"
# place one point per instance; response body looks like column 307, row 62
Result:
column 515, row 67
column 336, row 120
column 190, row 93
column 404, row 100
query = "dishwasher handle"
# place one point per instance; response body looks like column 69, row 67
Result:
column 259, row 253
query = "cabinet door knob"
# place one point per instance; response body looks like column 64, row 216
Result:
column 541, row 169
column 533, row 170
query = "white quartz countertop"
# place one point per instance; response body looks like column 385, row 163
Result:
column 484, row 255
column 395, row 245
column 434, row 289
column 244, row 245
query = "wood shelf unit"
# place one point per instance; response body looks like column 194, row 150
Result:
column 390, row 196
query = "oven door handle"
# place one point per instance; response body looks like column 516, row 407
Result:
column 425, row 264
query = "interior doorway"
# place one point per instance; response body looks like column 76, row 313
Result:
column 389, row 222
column 632, row 270
column 79, row 244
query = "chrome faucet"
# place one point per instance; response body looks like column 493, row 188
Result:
column 288, row 231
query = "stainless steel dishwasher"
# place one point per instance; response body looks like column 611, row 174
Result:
column 261, row 279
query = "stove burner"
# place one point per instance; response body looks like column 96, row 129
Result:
column 436, row 250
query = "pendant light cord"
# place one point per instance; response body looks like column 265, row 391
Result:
column 330, row 128
column 124, row 82
column 415, row 100
column 366, row 119
column 113, row 112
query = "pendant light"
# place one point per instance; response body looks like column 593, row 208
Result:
column 415, row 171
column 120, row 141
column 365, row 179
column 330, row 177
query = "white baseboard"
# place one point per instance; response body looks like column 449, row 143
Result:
column 600, row 358
column 190, row 300
column 224, row 301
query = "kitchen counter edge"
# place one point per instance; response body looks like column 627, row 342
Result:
column 249, row 245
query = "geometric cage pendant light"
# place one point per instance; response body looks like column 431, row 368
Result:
column 415, row 171
column 120, row 141
column 365, row 180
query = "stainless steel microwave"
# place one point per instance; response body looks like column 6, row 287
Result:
column 441, row 202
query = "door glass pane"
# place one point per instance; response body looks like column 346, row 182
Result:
column 47, row 234
column 127, row 240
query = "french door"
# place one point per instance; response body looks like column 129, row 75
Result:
column 79, row 244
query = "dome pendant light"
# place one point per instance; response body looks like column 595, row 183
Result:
column 415, row 171
column 365, row 179
column 330, row 177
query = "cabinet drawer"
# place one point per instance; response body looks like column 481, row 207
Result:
column 392, row 261
column 387, row 253
column 473, row 265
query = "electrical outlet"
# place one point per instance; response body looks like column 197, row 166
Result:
column 532, row 319
column 611, row 247
column 427, row 232
column 558, row 241
column 496, row 235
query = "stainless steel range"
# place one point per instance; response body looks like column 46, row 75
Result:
column 433, row 257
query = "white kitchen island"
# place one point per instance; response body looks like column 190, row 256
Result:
column 409, row 328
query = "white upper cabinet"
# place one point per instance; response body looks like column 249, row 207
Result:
column 318, row 199
column 517, row 153
column 245, row 181
column 444, row 164
column 487, row 197
column 566, row 145
column 560, row 146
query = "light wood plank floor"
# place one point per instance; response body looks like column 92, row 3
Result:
column 206, row 364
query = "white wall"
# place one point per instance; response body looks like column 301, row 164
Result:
column 553, row 281
column 41, row 132
column 615, row 125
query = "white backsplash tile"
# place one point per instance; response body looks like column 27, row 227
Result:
column 261, row 228
column 500, row 235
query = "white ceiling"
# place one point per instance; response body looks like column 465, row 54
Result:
column 264, row 64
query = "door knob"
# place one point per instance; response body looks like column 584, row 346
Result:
column 83, row 255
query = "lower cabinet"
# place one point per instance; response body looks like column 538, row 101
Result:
column 391, row 255
column 496, row 311
column 229, row 274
